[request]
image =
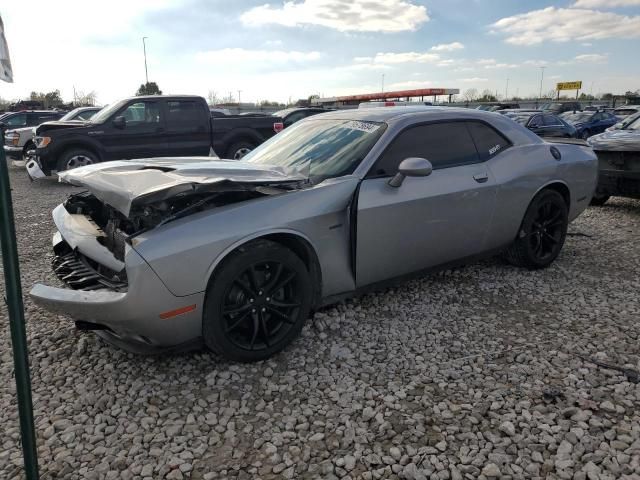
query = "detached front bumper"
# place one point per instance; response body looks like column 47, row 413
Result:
column 143, row 317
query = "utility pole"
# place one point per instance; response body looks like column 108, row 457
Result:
column 541, row 78
column 382, row 90
column 506, row 90
column 144, row 49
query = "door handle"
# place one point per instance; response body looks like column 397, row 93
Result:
column 481, row 177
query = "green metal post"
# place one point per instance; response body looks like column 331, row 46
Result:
column 16, row 320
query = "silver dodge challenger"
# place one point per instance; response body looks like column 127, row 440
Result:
column 172, row 253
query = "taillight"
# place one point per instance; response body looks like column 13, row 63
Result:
column 278, row 127
column 389, row 104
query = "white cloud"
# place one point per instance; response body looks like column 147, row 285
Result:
column 342, row 15
column 406, row 57
column 605, row 3
column 591, row 58
column 487, row 61
column 473, row 80
column 586, row 44
column 241, row 55
column 447, row 47
column 409, row 84
column 566, row 24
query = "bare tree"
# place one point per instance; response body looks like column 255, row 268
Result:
column 470, row 94
column 85, row 99
column 212, row 97
column 228, row 99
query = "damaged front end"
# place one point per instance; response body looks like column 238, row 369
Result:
column 110, row 287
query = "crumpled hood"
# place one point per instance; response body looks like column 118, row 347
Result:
column 128, row 183
column 616, row 140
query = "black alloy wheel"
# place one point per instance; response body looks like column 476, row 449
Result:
column 260, row 305
column 257, row 302
column 542, row 233
column 546, row 231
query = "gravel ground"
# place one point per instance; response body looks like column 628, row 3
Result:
column 485, row 371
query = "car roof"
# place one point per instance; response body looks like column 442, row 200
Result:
column 384, row 114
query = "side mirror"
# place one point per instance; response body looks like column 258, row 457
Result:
column 411, row 167
column 120, row 122
column 3, row 125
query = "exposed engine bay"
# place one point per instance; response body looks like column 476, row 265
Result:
column 118, row 228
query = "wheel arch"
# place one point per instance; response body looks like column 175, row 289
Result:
column 559, row 186
column 79, row 145
column 295, row 241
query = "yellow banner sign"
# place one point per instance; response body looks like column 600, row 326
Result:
column 569, row 85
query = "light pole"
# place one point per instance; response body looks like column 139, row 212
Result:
column 382, row 83
column 541, row 78
column 506, row 90
column 144, row 49
column 239, row 92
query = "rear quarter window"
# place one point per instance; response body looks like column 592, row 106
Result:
column 488, row 140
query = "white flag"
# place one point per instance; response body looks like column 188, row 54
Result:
column 6, row 73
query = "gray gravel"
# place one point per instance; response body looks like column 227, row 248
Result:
column 477, row 372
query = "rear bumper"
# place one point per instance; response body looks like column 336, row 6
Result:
column 137, row 317
column 619, row 183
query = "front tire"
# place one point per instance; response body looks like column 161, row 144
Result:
column 75, row 158
column 542, row 232
column 257, row 302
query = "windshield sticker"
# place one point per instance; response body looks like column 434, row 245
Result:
column 362, row 126
column 494, row 149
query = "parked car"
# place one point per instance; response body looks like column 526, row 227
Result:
column 618, row 154
column 497, row 106
column 27, row 118
column 518, row 110
column 543, row 124
column 293, row 115
column 560, row 107
column 19, row 143
column 624, row 122
column 143, row 127
column 626, row 111
column 170, row 253
column 392, row 103
column 590, row 123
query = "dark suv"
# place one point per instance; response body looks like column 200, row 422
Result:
column 561, row 107
column 28, row 118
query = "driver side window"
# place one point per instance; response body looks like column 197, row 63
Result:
column 142, row 113
column 447, row 144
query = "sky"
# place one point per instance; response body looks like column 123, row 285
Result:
column 292, row 49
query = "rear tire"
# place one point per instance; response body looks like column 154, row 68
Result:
column 239, row 150
column 74, row 158
column 257, row 302
column 599, row 200
column 542, row 232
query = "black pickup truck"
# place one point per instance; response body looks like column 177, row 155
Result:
column 146, row 127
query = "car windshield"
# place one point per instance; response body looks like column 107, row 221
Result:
column 634, row 125
column 72, row 115
column 319, row 148
column 629, row 120
column 107, row 111
column 578, row 117
column 623, row 112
